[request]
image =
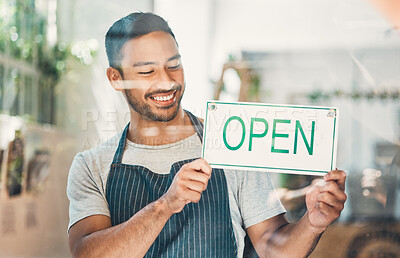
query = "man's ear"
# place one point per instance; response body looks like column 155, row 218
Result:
column 115, row 78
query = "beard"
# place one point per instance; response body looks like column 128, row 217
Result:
column 146, row 111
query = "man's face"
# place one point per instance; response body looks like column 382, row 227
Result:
column 153, row 76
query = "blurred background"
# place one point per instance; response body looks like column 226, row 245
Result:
column 55, row 100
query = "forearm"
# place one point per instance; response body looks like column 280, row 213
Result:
column 291, row 240
column 132, row 238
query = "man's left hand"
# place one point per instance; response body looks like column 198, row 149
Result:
column 325, row 200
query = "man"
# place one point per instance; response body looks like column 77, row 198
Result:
column 158, row 198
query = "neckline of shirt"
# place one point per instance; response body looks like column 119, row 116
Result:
column 163, row 146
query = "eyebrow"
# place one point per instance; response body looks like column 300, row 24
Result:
column 152, row 63
column 174, row 57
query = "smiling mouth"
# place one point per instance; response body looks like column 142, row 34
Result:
column 164, row 97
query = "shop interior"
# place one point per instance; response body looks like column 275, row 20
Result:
column 55, row 101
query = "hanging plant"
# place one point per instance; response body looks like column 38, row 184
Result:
column 381, row 94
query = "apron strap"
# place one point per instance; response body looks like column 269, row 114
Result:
column 197, row 124
column 121, row 146
column 198, row 127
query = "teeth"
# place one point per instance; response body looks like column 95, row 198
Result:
column 164, row 98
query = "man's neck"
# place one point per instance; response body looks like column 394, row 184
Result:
column 148, row 132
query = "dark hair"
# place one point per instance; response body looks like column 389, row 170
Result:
column 127, row 28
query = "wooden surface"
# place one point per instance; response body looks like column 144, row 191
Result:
column 364, row 239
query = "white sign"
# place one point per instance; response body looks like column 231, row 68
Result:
column 273, row 138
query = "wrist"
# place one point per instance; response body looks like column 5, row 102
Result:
column 162, row 206
column 314, row 229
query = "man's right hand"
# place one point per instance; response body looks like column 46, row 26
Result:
column 187, row 186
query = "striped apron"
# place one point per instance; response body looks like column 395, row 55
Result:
column 202, row 229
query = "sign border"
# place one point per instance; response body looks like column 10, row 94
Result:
column 315, row 172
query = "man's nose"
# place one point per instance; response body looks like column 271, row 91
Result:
column 165, row 81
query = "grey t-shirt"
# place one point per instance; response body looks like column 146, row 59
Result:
column 252, row 197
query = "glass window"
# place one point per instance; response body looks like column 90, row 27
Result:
column 26, row 57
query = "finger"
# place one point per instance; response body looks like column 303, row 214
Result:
column 333, row 188
column 337, row 175
column 330, row 200
column 327, row 210
column 196, row 176
column 192, row 196
column 200, row 165
column 195, row 186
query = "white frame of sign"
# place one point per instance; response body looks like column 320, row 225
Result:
column 320, row 162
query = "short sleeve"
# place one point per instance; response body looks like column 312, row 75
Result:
column 83, row 191
column 258, row 199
